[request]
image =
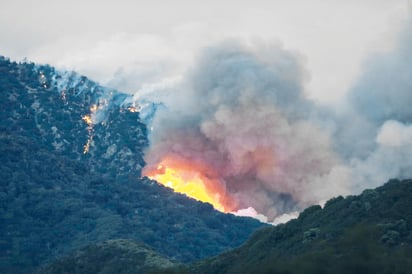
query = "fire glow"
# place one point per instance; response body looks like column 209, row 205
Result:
column 89, row 121
column 189, row 179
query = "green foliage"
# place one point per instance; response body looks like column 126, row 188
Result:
column 358, row 251
column 114, row 256
column 369, row 233
column 311, row 235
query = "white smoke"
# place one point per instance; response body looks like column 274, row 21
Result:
column 395, row 134
column 380, row 143
column 251, row 212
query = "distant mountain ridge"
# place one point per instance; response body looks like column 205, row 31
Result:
column 71, row 153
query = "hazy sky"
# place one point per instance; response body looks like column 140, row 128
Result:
column 127, row 44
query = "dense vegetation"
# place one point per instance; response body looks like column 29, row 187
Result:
column 54, row 198
column 369, row 233
column 113, row 256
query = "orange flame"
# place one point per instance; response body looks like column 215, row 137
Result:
column 87, row 119
column 191, row 179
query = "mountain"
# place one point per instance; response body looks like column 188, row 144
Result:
column 71, row 154
column 369, row 233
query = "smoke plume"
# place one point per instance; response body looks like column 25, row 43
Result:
column 240, row 115
column 379, row 147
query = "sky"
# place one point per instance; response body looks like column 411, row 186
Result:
column 127, row 44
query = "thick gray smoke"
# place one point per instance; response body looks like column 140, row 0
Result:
column 241, row 113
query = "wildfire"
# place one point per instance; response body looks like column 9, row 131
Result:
column 133, row 109
column 87, row 145
column 89, row 121
column 187, row 178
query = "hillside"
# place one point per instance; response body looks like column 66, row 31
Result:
column 71, row 153
column 369, row 233
column 113, row 256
